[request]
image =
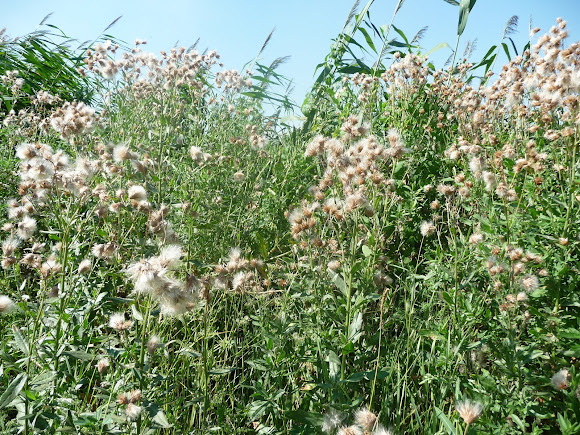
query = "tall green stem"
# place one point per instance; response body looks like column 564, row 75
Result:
column 572, row 187
column 205, row 364
column 386, row 40
column 454, row 54
column 379, row 349
column 63, row 300
column 141, row 366
column 347, row 323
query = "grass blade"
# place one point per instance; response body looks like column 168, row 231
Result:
column 113, row 23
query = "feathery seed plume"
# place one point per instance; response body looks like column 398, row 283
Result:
column 469, row 410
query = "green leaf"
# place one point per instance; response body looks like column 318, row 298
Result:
column 367, row 376
column 355, row 327
column 574, row 351
column 400, row 32
column 564, row 423
column 530, row 355
column 438, row 47
column 570, row 333
column 136, row 314
column 339, row 282
column 394, row 43
column 518, row 422
column 348, row 348
column 368, row 38
column 465, row 8
column 257, row 365
column 399, row 5
column 19, row 340
column 224, row 371
column 448, row 298
column 301, row 416
column 366, row 251
column 12, row 390
column 446, row 422
column 158, row 416
column 506, row 50
column 43, row 378
column 333, row 363
column 79, row 354
column 257, row 409
column 489, row 52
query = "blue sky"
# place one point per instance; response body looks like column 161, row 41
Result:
column 304, row 29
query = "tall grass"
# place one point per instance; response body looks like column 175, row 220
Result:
column 42, row 60
column 175, row 261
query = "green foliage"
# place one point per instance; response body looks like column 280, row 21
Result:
column 179, row 262
column 45, row 61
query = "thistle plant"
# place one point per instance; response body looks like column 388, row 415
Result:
column 173, row 259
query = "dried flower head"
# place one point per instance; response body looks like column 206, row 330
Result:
column 169, row 257
column 381, row 430
column 530, row 283
column 351, row 430
column 332, row 419
column 137, row 193
column 102, row 365
column 122, row 153
column 133, row 411
column 117, row 321
column 153, row 343
column 562, row 379
column 334, row 265
column 476, row 238
column 366, row 419
column 427, row 228
column 26, row 228
column 9, row 246
column 6, row 304
column 135, row 396
column 469, row 411
column 123, row 399
column 84, row 266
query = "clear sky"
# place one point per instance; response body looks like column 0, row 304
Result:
column 304, row 29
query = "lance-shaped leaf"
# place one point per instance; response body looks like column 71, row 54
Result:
column 465, row 8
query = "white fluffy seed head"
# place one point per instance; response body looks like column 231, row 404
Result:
column 561, row 380
column 137, row 193
column 6, row 304
column 469, row 410
column 427, row 228
column 133, row 411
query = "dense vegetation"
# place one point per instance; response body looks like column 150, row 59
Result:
column 406, row 260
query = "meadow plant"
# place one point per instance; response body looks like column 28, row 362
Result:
column 174, row 260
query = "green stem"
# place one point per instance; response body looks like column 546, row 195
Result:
column 378, row 350
column 142, row 353
column 454, row 54
column 63, row 300
column 572, row 190
column 452, row 228
column 386, row 40
column 144, row 335
column 31, row 349
column 205, row 364
column 347, row 323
